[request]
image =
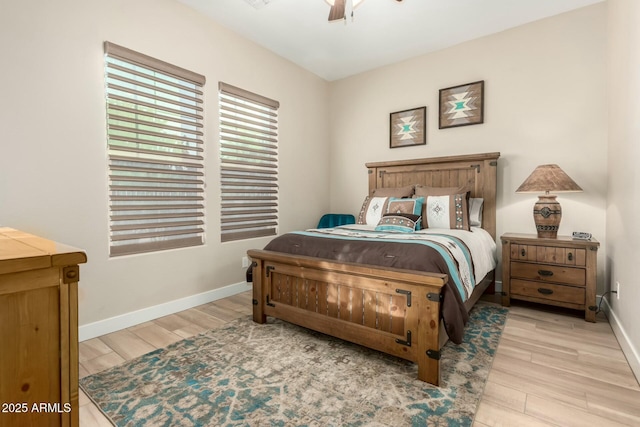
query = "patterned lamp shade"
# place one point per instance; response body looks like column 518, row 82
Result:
column 547, row 212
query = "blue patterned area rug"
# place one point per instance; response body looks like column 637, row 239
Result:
column 278, row 374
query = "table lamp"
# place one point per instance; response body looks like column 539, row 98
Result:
column 547, row 211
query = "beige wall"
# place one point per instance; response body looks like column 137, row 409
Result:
column 53, row 167
column 545, row 103
column 623, row 195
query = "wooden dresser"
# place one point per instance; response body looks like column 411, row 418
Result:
column 38, row 331
column 560, row 272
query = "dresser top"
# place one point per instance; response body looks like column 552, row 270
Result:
column 20, row 251
column 559, row 241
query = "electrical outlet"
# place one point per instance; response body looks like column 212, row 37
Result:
column 245, row 262
column 617, row 290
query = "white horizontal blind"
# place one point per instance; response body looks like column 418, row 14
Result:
column 249, row 164
column 156, row 172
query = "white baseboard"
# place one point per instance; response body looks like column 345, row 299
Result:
column 106, row 326
column 630, row 352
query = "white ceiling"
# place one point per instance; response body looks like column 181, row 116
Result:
column 382, row 32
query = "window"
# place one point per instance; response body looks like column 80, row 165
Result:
column 248, row 163
column 156, row 172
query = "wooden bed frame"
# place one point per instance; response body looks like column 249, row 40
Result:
column 391, row 310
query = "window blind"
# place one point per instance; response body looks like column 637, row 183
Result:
column 248, row 163
column 155, row 144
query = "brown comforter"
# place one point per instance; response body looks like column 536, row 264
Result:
column 383, row 254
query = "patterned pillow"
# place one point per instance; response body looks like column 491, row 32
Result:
column 406, row 206
column 448, row 211
column 426, row 192
column 399, row 223
column 372, row 210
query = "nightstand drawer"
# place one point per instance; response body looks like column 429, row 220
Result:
column 548, row 291
column 549, row 254
column 548, row 273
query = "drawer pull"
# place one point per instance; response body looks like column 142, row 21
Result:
column 545, row 273
column 522, row 252
column 545, row 291
column 570, row 256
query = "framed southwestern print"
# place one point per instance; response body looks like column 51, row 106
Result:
column 408, row 127
column 461, row 105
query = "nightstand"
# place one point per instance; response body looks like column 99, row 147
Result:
column 559, row 272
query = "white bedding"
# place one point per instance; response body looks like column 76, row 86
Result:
column 480, row 244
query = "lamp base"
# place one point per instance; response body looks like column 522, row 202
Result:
column 547, row 214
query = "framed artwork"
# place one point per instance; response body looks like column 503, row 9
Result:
column 408, row 127
column 461, row 105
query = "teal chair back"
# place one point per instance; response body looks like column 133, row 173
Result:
column 334, row 220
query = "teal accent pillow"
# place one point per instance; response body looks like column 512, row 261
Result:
column 406, row 206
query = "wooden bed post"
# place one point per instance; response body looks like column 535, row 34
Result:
column 428, row 357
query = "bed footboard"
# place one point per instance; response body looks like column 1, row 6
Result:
column 391, row 310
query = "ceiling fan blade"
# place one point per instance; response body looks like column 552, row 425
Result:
column 337, row 10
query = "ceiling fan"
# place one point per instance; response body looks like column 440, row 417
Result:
column 339, row 8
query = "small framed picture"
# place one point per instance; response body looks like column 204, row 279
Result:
column 461, row 105
column 408, row 127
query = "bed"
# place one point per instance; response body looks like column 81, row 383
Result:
column 395, row 310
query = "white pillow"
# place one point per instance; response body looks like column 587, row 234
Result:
column 475, row 211
column 372, row 210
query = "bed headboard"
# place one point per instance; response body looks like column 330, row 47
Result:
column 478, row 170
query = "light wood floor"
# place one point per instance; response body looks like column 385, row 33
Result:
column 551, row 368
